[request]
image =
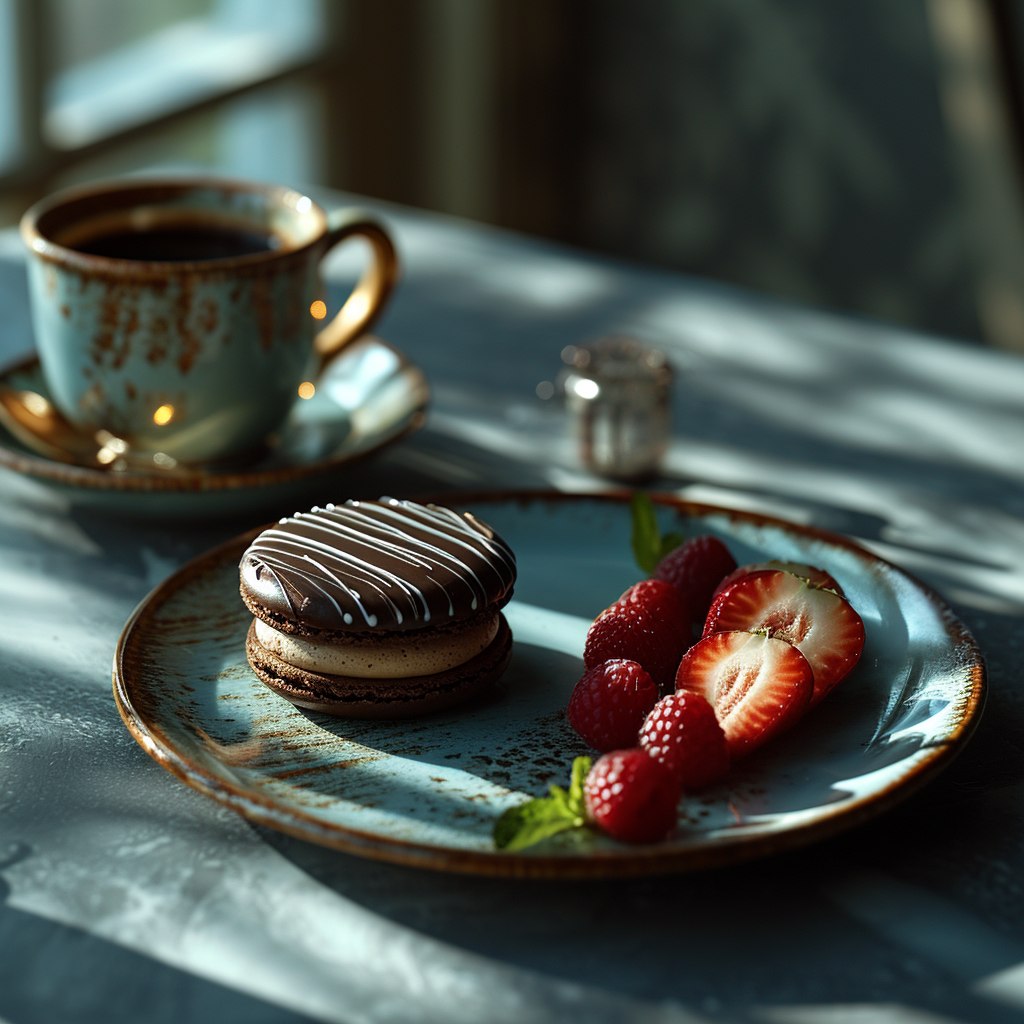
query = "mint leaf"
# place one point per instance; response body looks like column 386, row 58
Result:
column 561, row 798
column 580, row 771
column 649, row 547
column 538, row 819
column 646, row 538
column 531, row 822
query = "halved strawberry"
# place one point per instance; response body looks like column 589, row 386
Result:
column 757, row 684
column 824, row 626
column 809, row 572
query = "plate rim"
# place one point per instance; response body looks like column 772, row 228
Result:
column 652, row 859
column 193, row 481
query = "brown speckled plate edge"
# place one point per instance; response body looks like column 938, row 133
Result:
column 623, row 862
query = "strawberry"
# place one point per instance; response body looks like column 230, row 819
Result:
column 823, row 625
column 631, row 796
column 609, row 703
column 695, row 569
column 758, row 685
column 649, row 624
column 816, row 576
column 683, row 733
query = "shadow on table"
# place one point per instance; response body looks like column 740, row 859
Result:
column 722, row 941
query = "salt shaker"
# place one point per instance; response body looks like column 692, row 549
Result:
column 618, row 394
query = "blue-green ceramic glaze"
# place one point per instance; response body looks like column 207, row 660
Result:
column 198, row 359
column 368, row 397
column 427, row 792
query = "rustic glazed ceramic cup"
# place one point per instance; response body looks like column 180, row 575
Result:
column 202, row 357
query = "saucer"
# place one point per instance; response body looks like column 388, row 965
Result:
column 367, row 398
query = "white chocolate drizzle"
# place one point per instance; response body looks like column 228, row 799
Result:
column 388, row 564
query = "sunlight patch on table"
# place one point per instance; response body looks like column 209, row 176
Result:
column 850, row 1013
column 1006, row 986
column 974, row 548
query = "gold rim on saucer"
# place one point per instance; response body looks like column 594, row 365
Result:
column 405, row 420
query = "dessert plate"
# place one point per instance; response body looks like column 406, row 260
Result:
column 368, row 397
column 426, row 792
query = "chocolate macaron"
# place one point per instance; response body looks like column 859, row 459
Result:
column 378, row 609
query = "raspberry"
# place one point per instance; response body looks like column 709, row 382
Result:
column 696, row 568
column 631, row 796
column 609, row 703
column 649, row 624
column 683, row 733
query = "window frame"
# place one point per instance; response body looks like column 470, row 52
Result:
column 45, row 151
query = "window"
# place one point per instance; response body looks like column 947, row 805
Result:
column 94, row 87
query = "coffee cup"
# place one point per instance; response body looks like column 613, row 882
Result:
column 183, row 315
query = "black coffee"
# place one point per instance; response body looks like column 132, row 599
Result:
column 176, row 245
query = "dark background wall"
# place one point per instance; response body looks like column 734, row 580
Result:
column 792, row 146
column 859, row 155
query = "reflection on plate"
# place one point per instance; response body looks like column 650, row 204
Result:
column 427, row 792
column 368, row 397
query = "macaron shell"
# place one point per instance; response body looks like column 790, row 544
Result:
column 285, row 625
column 369, row 566
column 409, row 697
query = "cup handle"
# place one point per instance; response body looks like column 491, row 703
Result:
column 367, row 300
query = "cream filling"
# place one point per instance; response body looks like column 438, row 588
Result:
column 394, row 659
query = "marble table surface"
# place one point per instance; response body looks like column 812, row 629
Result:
column 125, row 896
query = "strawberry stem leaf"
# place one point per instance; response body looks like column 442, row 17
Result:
column 649, row 547
column 646, row 537
column 529, row 823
